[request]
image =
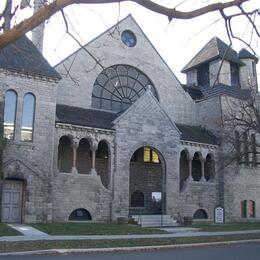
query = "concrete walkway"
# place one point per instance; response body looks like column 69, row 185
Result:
column 31, row 234
column 27, row 230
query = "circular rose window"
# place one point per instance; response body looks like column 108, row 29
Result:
column 128, row 38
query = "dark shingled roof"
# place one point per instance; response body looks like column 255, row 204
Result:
column 245, row 54
column 197, row 134
column 84, row 117
column 231, row 91
column 194, row 92
column 214, row 49
column 103, row 119
column 197, row 93
column 22, row 56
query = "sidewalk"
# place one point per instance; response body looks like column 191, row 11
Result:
column 32, row 234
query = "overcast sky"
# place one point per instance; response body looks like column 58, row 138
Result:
column 177, row 42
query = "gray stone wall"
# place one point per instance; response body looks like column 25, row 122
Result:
column 223, row 75
column 246, row 77
column 241, row 183
column 145, row 124
column 209, row 114
column 73, row 191
column 32, row 161
column 84, row 71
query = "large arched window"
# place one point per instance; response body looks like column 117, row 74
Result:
column 28, row 117
column 118, row 86
column 9, row 113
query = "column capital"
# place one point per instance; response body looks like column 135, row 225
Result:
column 74, row 143
column 93, row 146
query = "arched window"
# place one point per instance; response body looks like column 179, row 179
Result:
column 118, row 86
column 28, row 117
column 9, row 113
column 200, row 214
column 246, row 148
column 80, row 214
column 237, row 147
column 137, row 199
column 253, row 150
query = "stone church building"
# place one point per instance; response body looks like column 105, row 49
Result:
column 110, row 132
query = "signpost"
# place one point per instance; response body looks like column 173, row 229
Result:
column 219, row 215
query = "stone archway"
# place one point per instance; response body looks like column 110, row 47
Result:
column 147, row 176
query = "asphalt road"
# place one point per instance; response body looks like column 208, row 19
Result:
column 234, row 252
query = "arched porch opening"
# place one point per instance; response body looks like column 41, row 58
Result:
column 196, row 167
column 83, row 161
column 147, row 177
column 65, row 155
column 209, row 167
column 102, row 162
column 184, row 168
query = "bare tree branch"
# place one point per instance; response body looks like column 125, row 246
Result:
column 50, row 9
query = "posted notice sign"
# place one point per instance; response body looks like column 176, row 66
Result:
column 219, row 215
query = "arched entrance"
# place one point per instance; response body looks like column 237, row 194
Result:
column 146, row 182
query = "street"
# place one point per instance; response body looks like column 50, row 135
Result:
column 234, row 252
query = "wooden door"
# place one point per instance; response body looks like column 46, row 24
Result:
column 12, row 201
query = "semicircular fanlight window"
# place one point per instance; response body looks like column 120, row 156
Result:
column 117, row 87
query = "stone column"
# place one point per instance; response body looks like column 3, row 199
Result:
column 93, row 149
column 74, row 147
column 190, row 169
column 202, row 170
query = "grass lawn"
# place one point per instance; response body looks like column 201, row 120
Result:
column 40, row 245
column 7, row 231
column 228, row 226
column 94, row 229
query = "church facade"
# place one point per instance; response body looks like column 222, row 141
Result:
column 110, row 132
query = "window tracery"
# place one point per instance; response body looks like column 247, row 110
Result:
column 118, row 86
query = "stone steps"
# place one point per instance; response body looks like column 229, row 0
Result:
column 154, row 220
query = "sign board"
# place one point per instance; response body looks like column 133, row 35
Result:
column 219, row 215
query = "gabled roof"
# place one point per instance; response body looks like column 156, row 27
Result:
column 23, row 57
column 245, row 54
column 105, row 120
column 84, row 117
column 147, row 95
column 197, row 134
column 214, row 49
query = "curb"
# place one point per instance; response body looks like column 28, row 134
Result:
column 128, row 249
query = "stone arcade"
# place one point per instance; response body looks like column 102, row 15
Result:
column 102, row 142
